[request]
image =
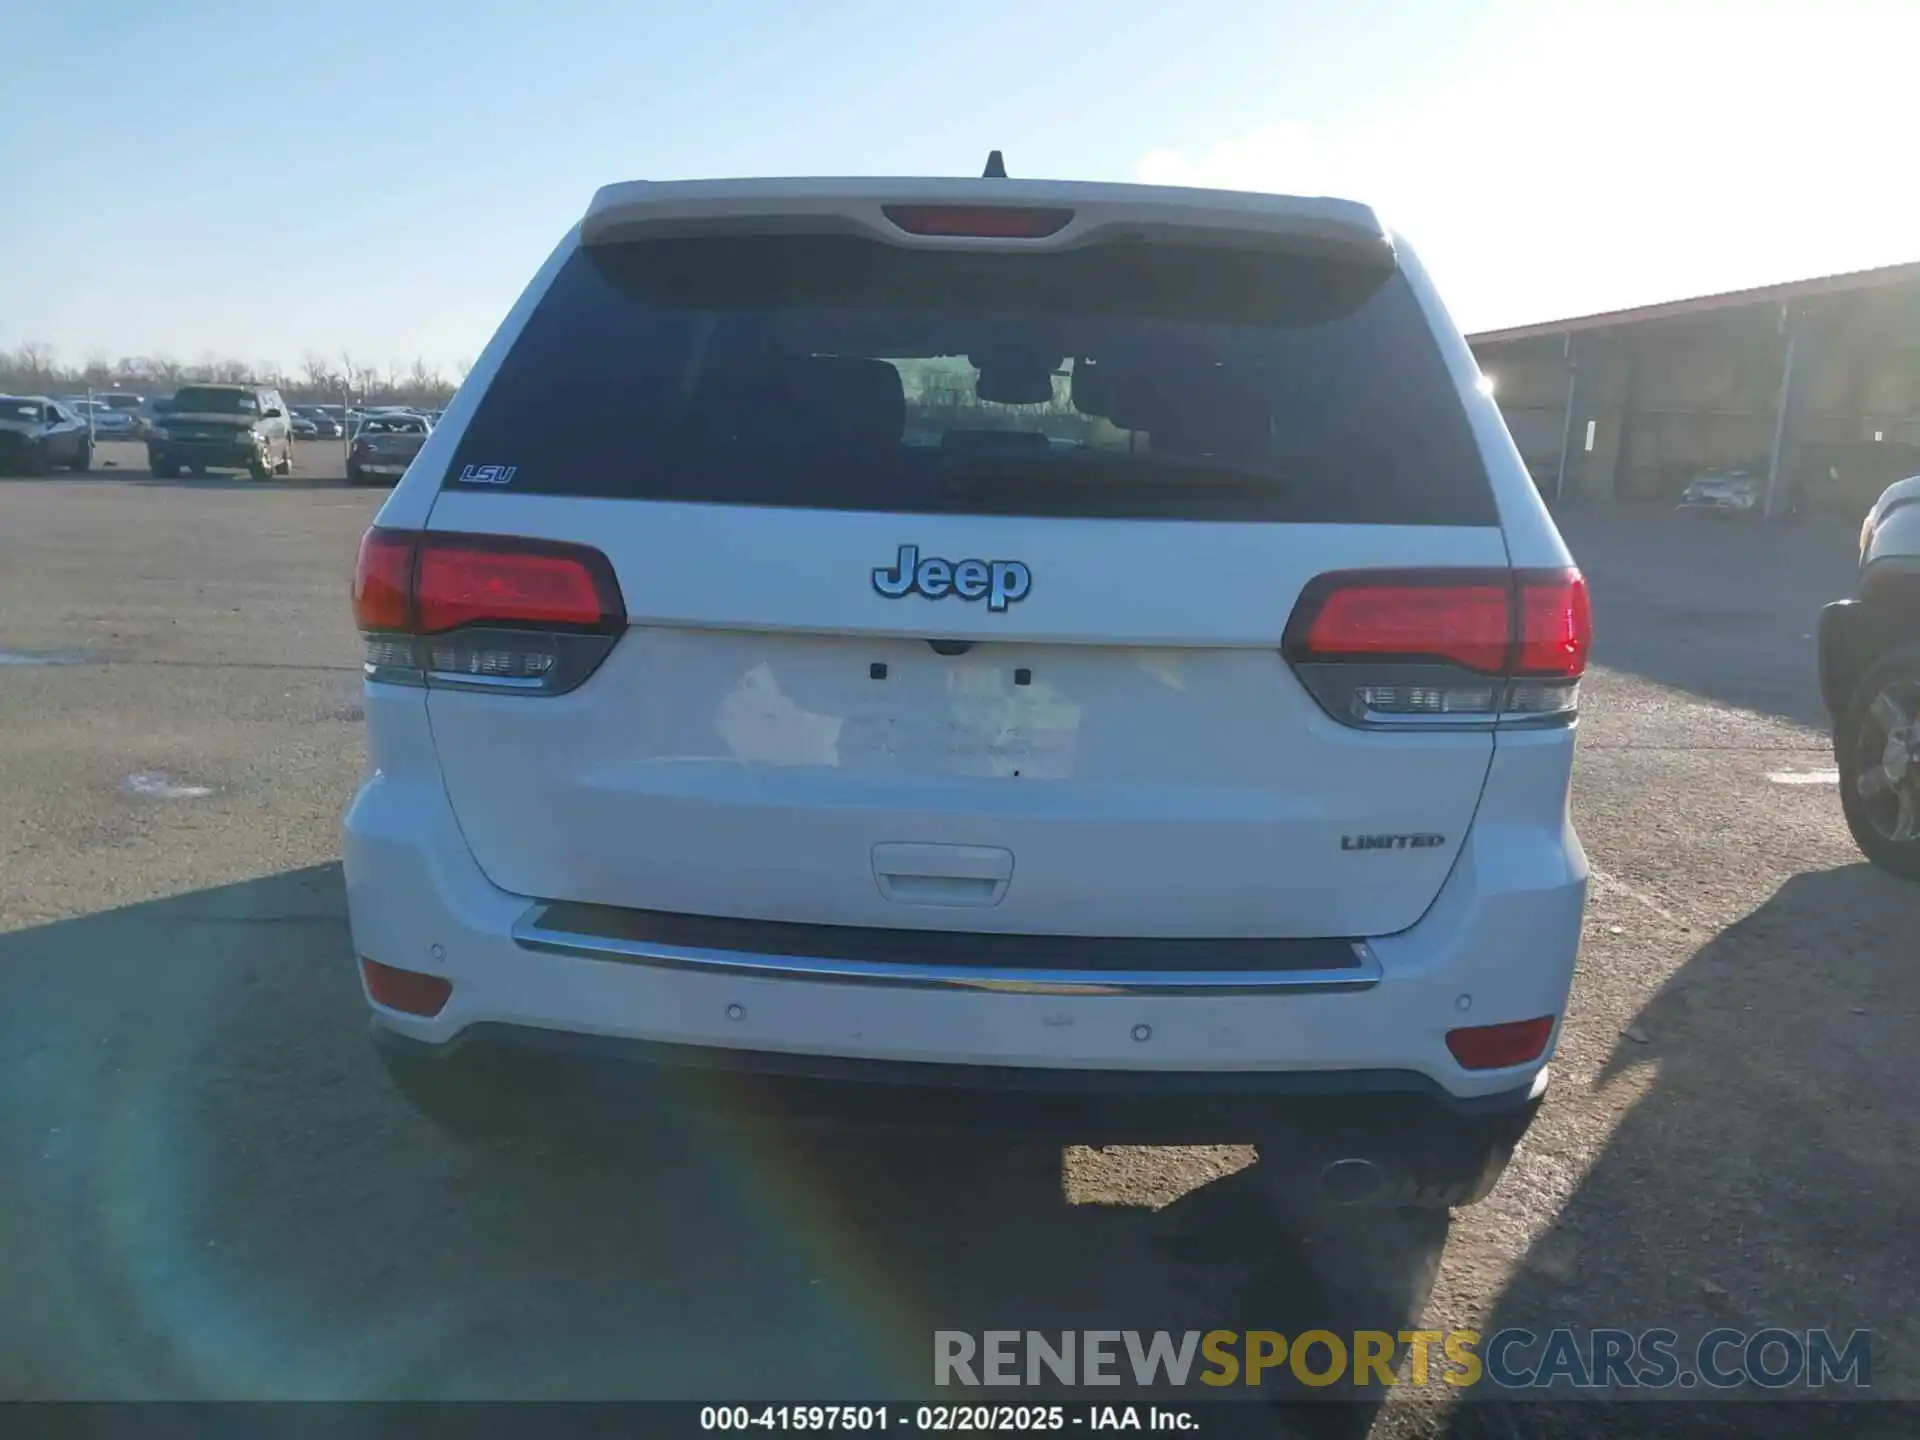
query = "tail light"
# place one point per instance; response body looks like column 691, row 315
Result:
column 1380, row 648
column 1495, row 1047
column 484, row 612
column 999, row 222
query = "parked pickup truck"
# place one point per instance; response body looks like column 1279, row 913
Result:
column 1870, row 679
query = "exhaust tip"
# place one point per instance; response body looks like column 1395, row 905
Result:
column 1352, row 1181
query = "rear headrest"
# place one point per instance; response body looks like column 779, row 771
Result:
column 847, row 400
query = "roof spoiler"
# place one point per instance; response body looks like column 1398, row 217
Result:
column 1101, row 213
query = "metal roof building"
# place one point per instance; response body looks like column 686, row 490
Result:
column 1815, row 383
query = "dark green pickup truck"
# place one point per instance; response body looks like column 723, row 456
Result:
column 221, row 427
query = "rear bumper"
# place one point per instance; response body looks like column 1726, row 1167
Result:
column 221, row 453
column 1415, row 1133
column 1497, row 945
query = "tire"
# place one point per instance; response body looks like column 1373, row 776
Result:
column 82, row 459
column 354, row 477
column 197, row 471
column 1880, row 785
column 259, row 469
column 163, row 469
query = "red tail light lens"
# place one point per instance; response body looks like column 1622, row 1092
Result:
column 463, row 583
column 1495, row 1047
column 1464, row 624
column 1000, row 222
column 1556, row 625
column 383, row 581
column 407, row 991
column 484, row 611
column 1443, row 647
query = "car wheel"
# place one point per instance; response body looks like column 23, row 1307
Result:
column 1878, row 748
column 197, row 471
column 258, row 468
column 83, row 458
column 354, row 477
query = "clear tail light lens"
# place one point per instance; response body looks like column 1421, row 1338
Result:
column 484, row 612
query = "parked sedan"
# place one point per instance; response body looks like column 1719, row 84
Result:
column 319, row 425
column 1733, row 492
column 384, row 446
column 38, row 434
column 108, row 422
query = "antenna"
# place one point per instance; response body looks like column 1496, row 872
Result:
column 996, row 167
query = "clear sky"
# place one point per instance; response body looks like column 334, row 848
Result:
column 261, row 180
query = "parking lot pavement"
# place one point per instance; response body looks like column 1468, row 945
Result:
column 207, row 1189
column 313, row 461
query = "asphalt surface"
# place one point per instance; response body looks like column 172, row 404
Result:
column 208, row 1190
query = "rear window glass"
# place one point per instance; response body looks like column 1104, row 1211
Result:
column 1118, row 381
column 214, row 402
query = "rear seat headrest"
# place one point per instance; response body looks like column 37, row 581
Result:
column 847, row 399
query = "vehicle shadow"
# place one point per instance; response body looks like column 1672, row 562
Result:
column 1797, row 1207
column 208, row 1189
column 1724, row 610
column 239, row 482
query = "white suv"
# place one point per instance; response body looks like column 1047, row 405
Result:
column 1070, row 655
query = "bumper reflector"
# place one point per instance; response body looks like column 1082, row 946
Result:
column 407, row 991
column 1494, row 1047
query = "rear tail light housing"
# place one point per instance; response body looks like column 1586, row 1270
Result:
column 1498, row 1047
column 1443, row 648
column 483, row 612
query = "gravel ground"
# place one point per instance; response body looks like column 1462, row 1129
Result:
column 208, row 1190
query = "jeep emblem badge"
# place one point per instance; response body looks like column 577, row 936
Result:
column 999, row 582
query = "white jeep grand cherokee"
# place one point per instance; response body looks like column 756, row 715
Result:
column 1076, row 656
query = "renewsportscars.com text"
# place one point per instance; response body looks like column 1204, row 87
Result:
column 1512, row 1359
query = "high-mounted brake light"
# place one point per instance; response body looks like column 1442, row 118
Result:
column 484, row 612
column 1381, row 648
column 999, row 222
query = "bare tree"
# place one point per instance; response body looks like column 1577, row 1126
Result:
column 36, row 359
column 462, row 368
column 167, row 370
column 424, row 380
column 318, row 373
